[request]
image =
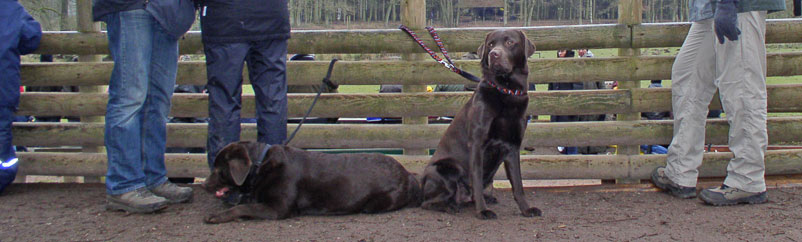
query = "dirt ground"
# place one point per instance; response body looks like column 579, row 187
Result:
column 75, row 212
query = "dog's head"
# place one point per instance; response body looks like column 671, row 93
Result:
column 232, row 166
column 505, row 51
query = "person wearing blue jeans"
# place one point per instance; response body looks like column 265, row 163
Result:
column 256, row 32
column 20, row 35
column 145, row 57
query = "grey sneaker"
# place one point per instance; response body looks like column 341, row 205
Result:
column 173, row 193
column 136, row 201
column 725, row 195
column 660, row 180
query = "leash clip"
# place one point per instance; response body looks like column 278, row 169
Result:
column 446, row 64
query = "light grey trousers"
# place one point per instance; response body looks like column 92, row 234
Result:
column 738, row 69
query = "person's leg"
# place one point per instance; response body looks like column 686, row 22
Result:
column 224, row 72
column 8, row 157
column 693, row 75
column 130, row 34
column 130, row 39
column 163, row 67
column 741, row 68
column 267, row 63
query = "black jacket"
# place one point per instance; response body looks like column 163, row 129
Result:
column 228, row 21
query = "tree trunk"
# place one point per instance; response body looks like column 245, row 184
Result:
column 64, row 20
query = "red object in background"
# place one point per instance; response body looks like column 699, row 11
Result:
column 21, row 89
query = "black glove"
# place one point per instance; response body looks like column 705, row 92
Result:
column 725, row 20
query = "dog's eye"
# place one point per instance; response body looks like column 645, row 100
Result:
column 510, row 43
column 491, row 44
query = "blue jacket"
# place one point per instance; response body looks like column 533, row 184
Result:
column 101, row 8
column 232, row 21
column 175, row 16
column 704, row 9
column 19, row 35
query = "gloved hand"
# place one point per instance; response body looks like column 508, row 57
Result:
column 725, row 21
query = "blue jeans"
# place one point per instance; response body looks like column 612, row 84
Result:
column 140, row 88
column 267, row 64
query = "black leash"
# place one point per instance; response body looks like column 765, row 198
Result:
column 241, row 197
column 326, row 82
column 447, row 62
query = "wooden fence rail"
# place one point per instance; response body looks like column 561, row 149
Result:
column 349, row 136
column 780, row 162
column 407, row 72
column 457, row 39
column 782, row 98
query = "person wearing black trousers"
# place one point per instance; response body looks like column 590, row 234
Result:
column 256, row 32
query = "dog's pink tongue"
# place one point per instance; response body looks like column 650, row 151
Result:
column 220, row 193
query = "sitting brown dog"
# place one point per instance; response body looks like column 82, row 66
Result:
column 290, row 181
column 489, row 129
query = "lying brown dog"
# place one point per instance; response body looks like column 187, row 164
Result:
column 489, row 129
column 291, row 181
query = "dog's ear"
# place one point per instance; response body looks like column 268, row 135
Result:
column 275, row 157
column 529, row 47
column 481, row 51
column 239, row 162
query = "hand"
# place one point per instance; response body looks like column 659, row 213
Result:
column 726, row 19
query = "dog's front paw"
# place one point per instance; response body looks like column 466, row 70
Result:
column 532, row 212
column 213, row 219
column 486, row 214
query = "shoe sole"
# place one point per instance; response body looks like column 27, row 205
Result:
column 117, row 206
column 669, row 189
column 183, row 200
column 759, row 199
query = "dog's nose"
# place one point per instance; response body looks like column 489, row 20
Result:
column 495, row 54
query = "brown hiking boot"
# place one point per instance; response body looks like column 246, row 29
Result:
column 173, row 193
column 725, row 195
column 660, row 180
column 137, row 201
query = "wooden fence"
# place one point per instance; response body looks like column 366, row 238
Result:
column 629, row 36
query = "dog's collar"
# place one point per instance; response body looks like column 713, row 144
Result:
column 512, row 92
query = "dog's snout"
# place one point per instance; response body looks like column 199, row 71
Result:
column 495, row 54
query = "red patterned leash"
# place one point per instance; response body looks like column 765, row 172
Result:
column 449, row 64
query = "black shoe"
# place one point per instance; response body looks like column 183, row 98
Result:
column 725, row 195
column 660, row 180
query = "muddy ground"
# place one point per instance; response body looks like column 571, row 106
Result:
column 75, row 212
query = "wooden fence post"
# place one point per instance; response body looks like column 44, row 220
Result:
column 87, row 25
column 413, row 15
column 630, row 12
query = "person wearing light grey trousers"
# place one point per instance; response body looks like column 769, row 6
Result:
column 737, row 68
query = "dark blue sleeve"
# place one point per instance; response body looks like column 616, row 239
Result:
column 30, row 34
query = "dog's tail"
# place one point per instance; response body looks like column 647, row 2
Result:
column 415, row 194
